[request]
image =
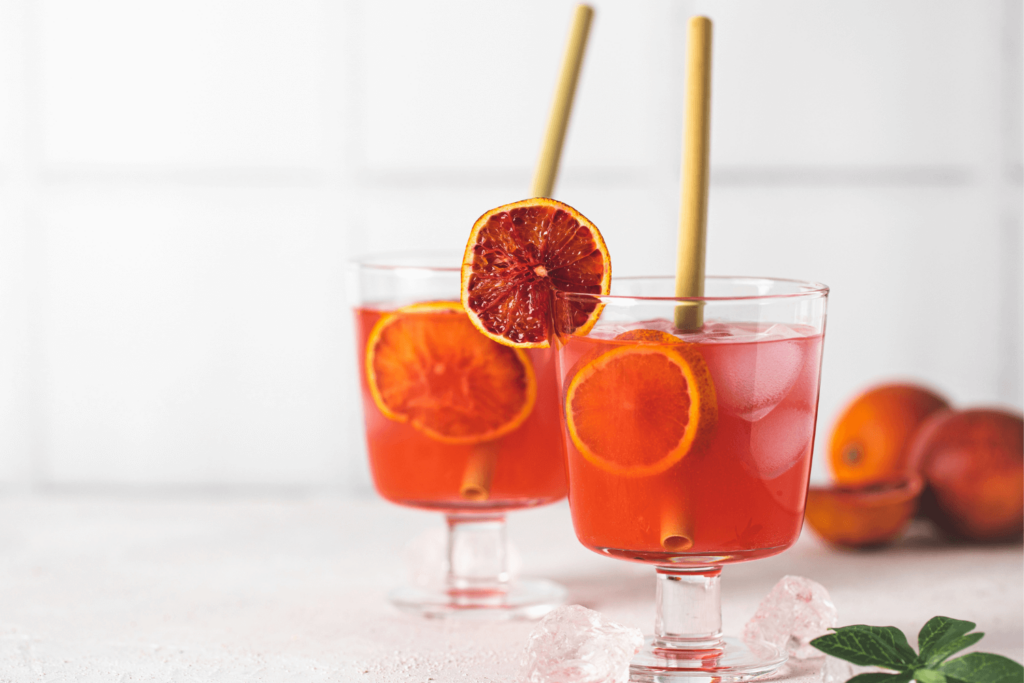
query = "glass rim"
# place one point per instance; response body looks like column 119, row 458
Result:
column 391, row 260
column 808, row 289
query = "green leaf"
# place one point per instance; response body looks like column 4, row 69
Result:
column 880, row 677
column 929, row 676
column 982, row 667
column 893, row 639
column 950, row 647
column 868, row 645
column 939, row 631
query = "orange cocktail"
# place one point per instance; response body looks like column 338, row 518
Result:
column 738, row 493
column 689, row 445
column 455, row 421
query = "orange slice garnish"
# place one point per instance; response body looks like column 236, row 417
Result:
column 637, row 410
column 427, row 365
column 517, row 255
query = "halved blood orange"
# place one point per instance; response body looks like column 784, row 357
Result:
column 427, row 365
column 517, row 255
column 637, row 410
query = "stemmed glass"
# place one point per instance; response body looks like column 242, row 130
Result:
column 691, row 450
column 457, row 424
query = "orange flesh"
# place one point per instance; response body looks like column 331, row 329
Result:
column 518, row 256
column 429, row 366
column 633, row 411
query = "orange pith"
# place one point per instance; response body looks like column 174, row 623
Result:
column 639, row 409
column 427, row 365
column 517, row 255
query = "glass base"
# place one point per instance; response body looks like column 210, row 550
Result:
column 732, row 661
column 520, row 599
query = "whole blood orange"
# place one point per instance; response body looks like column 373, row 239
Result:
column 516, row 255
column 863, row 517
column 427, row 365
column 869, row 440
column 639, row 409
column 973, row 465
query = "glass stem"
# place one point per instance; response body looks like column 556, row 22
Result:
column 689, row 604
column 477, row 553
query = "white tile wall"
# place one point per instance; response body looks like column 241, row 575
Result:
column 193, row 336
column 869, row 84
column 181, row 182
column 193, row 83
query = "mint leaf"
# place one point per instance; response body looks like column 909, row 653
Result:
column 894, row 639
column 939, row 631
column 982, row 667
column 881, row 678
column 929, row 676
column 942, row 652
column 868, row 645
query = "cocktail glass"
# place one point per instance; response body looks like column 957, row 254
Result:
column 691, row 450
column 458, row 424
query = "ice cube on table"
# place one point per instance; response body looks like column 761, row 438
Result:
column 574, row 644
column 757, row 377
column 779, row 440
column 795, row 612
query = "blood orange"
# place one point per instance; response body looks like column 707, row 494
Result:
column 639, row 409
column 517, row 255
column 427, row 365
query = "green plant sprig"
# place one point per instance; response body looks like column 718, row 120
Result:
column 941, row 637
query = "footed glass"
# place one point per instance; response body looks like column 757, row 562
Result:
column 457, row 424
column 690, row 450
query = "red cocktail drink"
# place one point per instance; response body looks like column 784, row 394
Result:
column 416, row 465
column 739, row 493
column 689, row 446
column 455, row 423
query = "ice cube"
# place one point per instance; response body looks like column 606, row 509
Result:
column 796, row 611
column 780, row 331
column 779, row 440
column 573, row 644
column 757, row 377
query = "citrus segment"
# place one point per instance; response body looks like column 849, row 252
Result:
column 639, row 409
column 517, row 255
column 427, row 365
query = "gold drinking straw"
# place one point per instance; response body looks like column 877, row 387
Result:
column 676, row 522
column 476, row 480
column 676, row 526
column 558, row 119
column 693, row 210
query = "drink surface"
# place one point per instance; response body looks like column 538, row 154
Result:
column 412, row 467
column 739, row 493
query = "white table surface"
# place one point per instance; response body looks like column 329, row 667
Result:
column 162, row 588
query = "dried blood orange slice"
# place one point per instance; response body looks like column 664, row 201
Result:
column 427, row 365
column 517, row 255
column 638, row 409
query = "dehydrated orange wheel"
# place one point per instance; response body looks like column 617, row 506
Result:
column 517, row 255
column 639, row 409
column 427, row 365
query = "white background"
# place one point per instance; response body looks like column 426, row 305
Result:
column 182, row 182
